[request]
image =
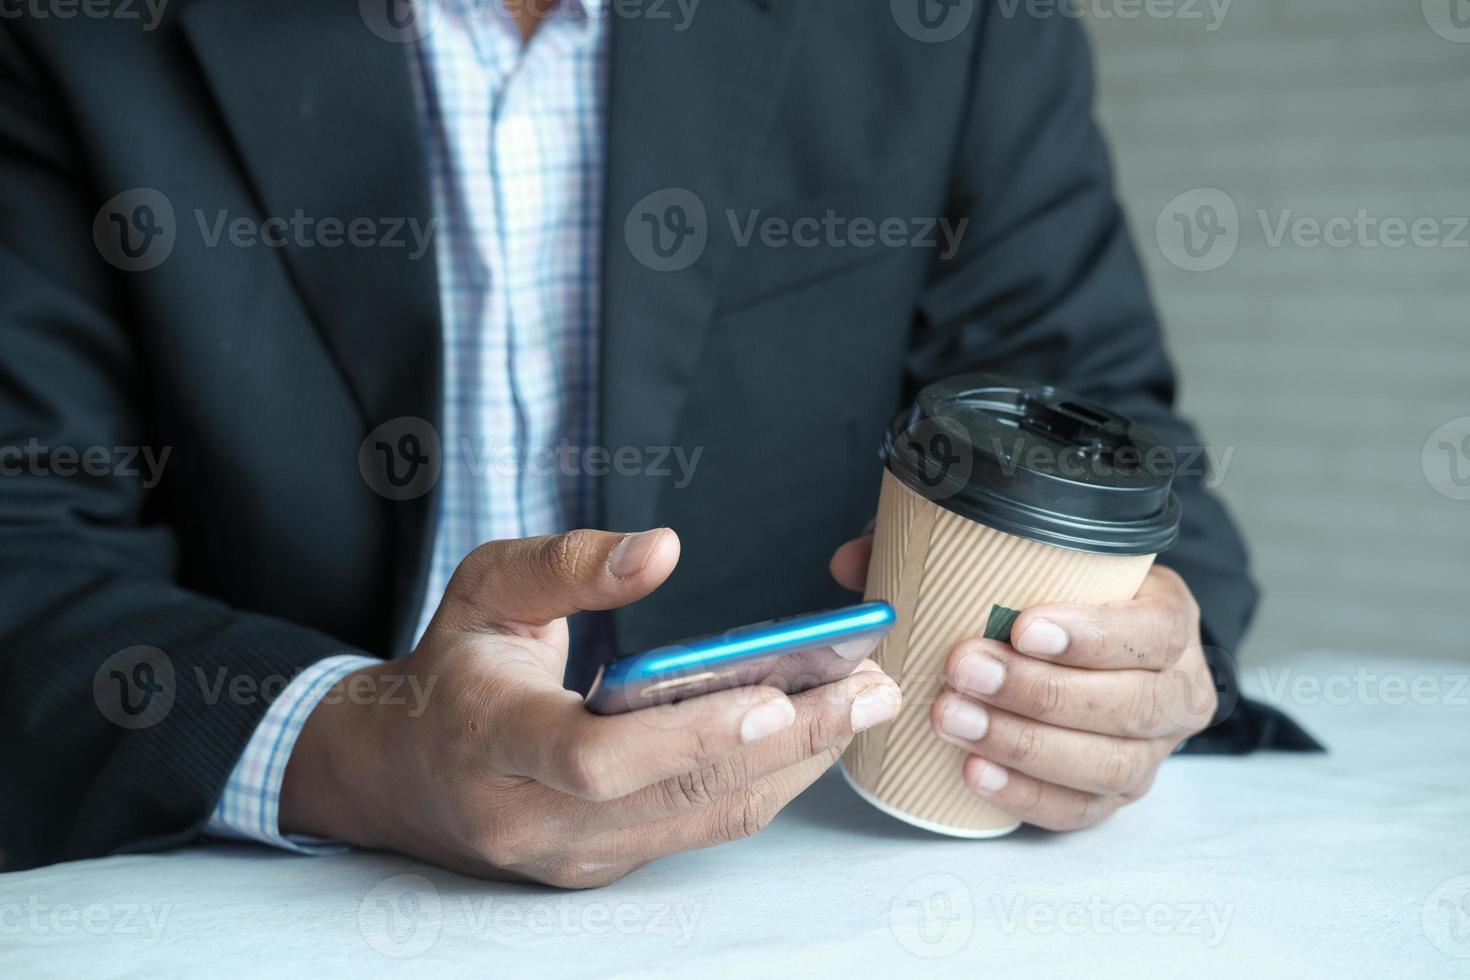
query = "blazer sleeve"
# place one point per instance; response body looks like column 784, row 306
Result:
column 117, row 736
column 1046, row 284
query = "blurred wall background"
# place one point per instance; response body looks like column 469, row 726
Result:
column 1332, row 368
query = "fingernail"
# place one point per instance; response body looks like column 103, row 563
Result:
column 875, row 706
column 856, row 649
column 991, row 778
column 978, row 674
column 1042, row 637
column 767, row 719
column 631, row 553
column 964, row 719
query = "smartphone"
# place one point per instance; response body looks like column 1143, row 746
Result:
column 793, row 654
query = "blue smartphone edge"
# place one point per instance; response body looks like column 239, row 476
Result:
column 626, row 675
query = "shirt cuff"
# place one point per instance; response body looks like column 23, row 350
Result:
column 250, row 807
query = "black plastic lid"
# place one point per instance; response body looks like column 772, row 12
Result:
column 1034, row 461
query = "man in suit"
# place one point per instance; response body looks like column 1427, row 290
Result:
column 323, row 326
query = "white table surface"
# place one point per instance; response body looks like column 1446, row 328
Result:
column 1352, row 864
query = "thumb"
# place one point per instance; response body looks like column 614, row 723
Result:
column 849, row 563
column 534, row 581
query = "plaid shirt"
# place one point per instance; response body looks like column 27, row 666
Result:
column 513, row 135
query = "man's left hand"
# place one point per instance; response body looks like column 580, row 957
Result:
column 1072, row 719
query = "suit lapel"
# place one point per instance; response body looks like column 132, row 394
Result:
column 687, row 112
column 321, row 111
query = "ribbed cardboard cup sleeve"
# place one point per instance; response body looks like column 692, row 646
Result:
column 946, row 576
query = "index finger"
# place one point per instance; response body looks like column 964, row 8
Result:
column 825, row 724
column 557, row 742
column 1146, row 632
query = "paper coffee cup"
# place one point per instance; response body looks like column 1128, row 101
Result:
column 997, row 495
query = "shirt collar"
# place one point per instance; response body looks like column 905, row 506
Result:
column 580, row 15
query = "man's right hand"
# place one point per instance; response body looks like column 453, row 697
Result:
column 507, row 775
